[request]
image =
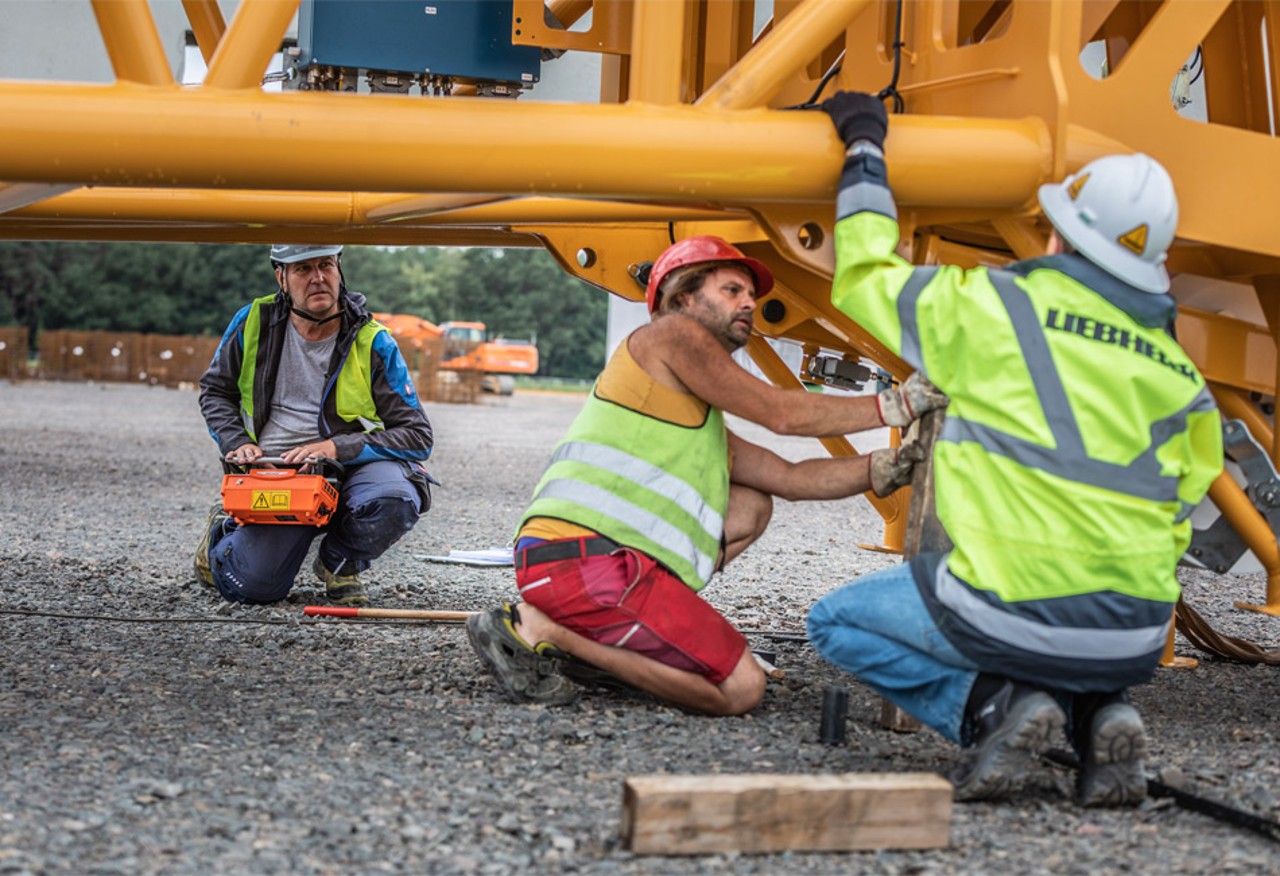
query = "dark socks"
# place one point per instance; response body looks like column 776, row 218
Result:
column 985, row 686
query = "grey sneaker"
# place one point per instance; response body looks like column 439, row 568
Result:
column 1016, row 724
column 340, row 589
column 524, row 675
column 216, row 517
column 1111, row 772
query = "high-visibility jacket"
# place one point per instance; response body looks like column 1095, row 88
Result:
column 369, row 406
column 1078, row 439
column 652, row 485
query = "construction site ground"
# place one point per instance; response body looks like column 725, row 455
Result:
column 148, row 727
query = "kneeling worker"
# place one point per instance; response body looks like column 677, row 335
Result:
column 649, row 494
column 307, row 373
column 1078, row 439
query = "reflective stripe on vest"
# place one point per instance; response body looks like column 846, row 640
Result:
column 249, row 362
column 1053, row 639
column 658, row 537
column 651, row 485
column 907, row 298
column 352, row 385
column 1098, row 625
column 649, row 525
column 1141, row 478
column 649, row 476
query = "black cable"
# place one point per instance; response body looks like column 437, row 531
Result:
column 1187, row 800
column 891, row 90
column 773, row 635
column 776, row 636
column 1198, row 59
column 304, row 622
column 822, row 83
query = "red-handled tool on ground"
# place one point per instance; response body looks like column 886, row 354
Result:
column 410, row 613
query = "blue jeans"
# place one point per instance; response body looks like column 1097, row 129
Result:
column 377, row 505
column 879, row 629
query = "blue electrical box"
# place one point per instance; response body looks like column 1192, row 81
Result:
column 468, row 39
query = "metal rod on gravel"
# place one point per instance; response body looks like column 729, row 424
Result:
column 1186, row 800
column 414, row 613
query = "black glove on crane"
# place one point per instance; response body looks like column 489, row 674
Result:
column 857, row 116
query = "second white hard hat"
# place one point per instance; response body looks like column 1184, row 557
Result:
column 1121, row 213
column 289, row 253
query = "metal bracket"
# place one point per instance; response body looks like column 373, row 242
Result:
column 835, row 371
column 1219, row 547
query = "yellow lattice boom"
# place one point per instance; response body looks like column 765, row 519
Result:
column 696, row 131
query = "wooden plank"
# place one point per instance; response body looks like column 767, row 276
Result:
column 895, row 719
column 925, row 532
column 702, row 814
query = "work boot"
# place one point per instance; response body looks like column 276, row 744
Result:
column 1111, row 766
column 525, row 675
column 216, row 518
column 340, row 589
column 1013, row 725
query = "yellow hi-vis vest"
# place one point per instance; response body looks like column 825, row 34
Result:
column 651, row 485
column 1077, row 441
column 353, row 389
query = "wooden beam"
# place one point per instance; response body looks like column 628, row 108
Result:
column 689, row 815
column 894, row 718
column 924, row 533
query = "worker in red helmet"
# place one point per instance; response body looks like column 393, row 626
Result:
column 648, row 495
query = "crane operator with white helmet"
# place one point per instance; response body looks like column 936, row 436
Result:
column 1077, row 440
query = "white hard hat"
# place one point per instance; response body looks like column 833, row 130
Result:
column 1120, row 212
column 291, row 253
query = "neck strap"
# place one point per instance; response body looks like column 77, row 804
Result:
column 316, row 320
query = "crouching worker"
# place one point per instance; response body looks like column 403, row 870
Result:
column 649, row 494
column 1077, row 440
column 306, row 373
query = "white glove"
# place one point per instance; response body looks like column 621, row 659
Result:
column 909, row 400
column 891, row 467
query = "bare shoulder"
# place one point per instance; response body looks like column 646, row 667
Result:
column 665, row 346
column 669, row 335
column 675, row 325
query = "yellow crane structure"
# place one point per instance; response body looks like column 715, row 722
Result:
column 699, row 129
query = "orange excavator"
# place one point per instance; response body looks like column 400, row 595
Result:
column 465, row 346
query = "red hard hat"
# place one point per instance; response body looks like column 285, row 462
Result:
column 697, row 250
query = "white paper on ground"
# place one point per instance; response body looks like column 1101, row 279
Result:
column 497, row 556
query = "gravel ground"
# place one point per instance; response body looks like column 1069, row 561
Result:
column 146, row 727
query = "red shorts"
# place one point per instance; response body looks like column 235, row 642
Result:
column 628, row 600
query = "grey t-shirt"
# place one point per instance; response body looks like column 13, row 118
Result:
column 295, row 402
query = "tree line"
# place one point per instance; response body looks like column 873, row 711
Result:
column 193, row 289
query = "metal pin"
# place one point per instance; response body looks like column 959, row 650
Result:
column 835, row 703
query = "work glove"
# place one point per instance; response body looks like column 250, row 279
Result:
column 904, row 404
column 857, row 116
column 891, row 467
